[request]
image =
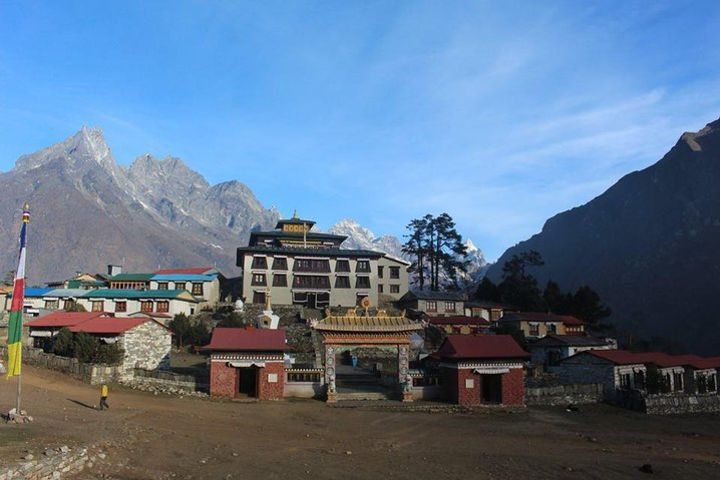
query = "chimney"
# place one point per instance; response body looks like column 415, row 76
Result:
column 114, row 270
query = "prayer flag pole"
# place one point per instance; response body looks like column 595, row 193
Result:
column 14, row 342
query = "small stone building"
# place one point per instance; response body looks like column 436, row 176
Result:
column 146, row 342
column 550, row 349
column 434, row 304
column 247, row 362
column 482, row 370
column 616, row 370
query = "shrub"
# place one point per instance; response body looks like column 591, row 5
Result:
column 64, row 344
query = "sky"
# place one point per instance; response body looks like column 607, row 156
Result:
column 500, row 115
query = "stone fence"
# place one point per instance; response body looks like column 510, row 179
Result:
column 668, row 404
column 157, row 381
column 53, row 464
column 579, row 394
column 94, row 374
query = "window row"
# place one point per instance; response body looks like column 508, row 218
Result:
column 162, row 306
column 319, row 266
column 393, row 288
column 313, row 281
column 195, row 289
column 431, row 306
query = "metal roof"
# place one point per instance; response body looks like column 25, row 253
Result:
column 188, row 277
column 141, row 294
column 368, row 324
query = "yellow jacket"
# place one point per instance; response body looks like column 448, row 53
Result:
column 104, row 391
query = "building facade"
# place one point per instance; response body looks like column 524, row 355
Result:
column 482, row 370
column 297, row 266
column 433, row 304
column 247, row 362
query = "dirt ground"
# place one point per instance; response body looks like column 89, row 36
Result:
column 157, row 437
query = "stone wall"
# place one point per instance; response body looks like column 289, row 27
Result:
column 146, row 346
column 53, row 464
column 580, row 394
column 156, row 381
column 669, row 404
column 88, row 373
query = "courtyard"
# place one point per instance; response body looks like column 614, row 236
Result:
column 150, row 436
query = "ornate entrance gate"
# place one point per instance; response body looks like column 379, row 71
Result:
column 341, row 332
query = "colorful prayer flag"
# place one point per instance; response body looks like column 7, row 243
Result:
column 14, row 341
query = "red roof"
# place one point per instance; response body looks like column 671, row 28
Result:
column 570, row 320
column 458, row 320
column 618, row 357
column 65, row 319
column 659, row 359
column 108, row 325
column 247, row 339
column 188, row 271
column 458, row 347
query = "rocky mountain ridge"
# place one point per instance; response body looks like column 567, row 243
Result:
column 648, row 245
column 87, row 211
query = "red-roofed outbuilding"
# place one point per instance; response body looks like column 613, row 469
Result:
column 483, row 369
column 247, row 362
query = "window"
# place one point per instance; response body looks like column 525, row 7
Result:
column 198, row 288
column 380, row 288
column 52, row 304
column 259, row 298
column 534, row 330
column 279, row 280
column 394, row 288
column 146, row 307
column 121, row 306
column 311, row 265
column 180, row 286
column 381, row 271
column 639, row 379
column 315, row 282
column 450, row 307
column 625, row 381
column 163, row 307
column 678, row 381
column 98, row 306
column 279, row 263
column 362, row 282
column 162, row 285
column 342, row 266
column 431, row 306
column 258, row 280
column 394, row 272
column 342, row 282
column 259, row 262
column 363, row 266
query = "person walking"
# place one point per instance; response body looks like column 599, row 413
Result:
column 103, row 397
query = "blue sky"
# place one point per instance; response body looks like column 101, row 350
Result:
column 501, row 115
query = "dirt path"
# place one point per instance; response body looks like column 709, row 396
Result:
column 154, row 437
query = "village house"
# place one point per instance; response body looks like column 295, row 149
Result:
column 481, row 370
column 125, row 302
column 536, row 325
column 700, row 376
column 433, row 304
column 146, row 343
column 247, row 362
column 616, row 370
column 203, row 283
column 44, row 329
column 549, row 350
column 490, row 311
column 460, row 325
column 298, row 266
